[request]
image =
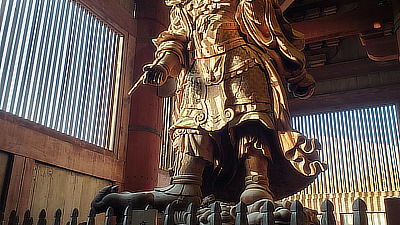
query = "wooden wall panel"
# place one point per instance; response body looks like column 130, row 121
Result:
column 54, row 188
column 30, row 140
column 19, row 185
column 3, row 169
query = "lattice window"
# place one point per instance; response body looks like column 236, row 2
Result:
column 60, row 67
column 361, row 148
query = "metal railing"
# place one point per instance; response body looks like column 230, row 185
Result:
column 191, row 216
column 59, row 67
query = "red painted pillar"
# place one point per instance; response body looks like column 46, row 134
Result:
column 142, row 156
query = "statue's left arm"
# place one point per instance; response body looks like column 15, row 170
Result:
column 264, row 25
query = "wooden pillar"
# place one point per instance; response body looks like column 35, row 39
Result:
column 142, row 156
column 396, row 22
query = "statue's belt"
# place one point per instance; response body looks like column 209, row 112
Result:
column 220, row 48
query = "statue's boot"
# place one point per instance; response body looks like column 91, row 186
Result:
column 256, row 181
column 185, row 185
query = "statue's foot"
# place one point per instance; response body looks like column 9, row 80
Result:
column 257, row 188
column 184, row 194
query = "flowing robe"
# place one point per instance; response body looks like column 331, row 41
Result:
column 234, row 56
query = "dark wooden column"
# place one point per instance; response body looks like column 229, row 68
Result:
column 396, row 22
column 143, row 148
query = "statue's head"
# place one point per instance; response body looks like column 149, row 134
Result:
column 174, row 2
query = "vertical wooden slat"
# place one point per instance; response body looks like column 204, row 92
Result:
column 169, row 214
column 111, row 96
column 81, row 47
column 64, row 68
column 45, row 60
column 241, row 214
column 91, row 217
column 296, row 216
column 48, row 81
column 57, row 217
column 74, row 217
column 127, row 216
column 5, row 34
column 14, row 184
column 23, row 56
column 192, row 217
column 28, row 69
column 2, row 9
column 359, row 212
column 95, row 89
column 215, row 218
column 1, row 217
column 268, row 213
column 10, row 58
column 328, row 218
column 13, row 219
column 101, row 87
column 42, row 218
column 109, row 216
column 37, row 84
column 60, row 58
column 28, row 220
column 105, row 97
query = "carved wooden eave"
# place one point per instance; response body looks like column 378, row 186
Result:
column 351, row 50
column 380, row 43
column 355, row 19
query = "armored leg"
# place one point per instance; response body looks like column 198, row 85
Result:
column 193, row 153
column 256, row 180
column 252, row 142
column 185, row 184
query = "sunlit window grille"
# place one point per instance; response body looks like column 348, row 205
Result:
column 59, row 67
column 361, row 148
column 167, row 154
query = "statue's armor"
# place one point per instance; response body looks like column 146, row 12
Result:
column 226, row 82
column 230, row 58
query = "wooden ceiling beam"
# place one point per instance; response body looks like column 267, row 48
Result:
column 341, row 24
column 285, row 4
column 353, row 99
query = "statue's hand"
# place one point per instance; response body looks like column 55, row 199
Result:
column 155, row 74
column 301, row 92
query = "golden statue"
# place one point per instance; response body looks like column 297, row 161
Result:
column 230, row 59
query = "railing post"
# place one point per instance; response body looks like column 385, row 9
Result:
column 109, row 216
column 127, row 216
column 359, row 212
column 28, row 220
column 13, row 219
column 296, row 210
column 215, row 218
column 42, row 218
column 327, row 208
column 241, row 214
column 74, row 217
column 1, row 218
column 192, row 214
column 57, row 217
column 169, row 214
column 268, row 213
column 91, row 217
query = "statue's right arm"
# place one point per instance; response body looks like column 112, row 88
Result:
column 171, row 50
